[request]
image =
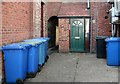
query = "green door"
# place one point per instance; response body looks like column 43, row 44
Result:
column 77, row 35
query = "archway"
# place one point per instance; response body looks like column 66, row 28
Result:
column 52, row 24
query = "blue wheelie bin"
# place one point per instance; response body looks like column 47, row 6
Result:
column 44, row 46
column 15, row 62
column 113, row 51
column 41, row 50
column 45, row 39
column 32, row 59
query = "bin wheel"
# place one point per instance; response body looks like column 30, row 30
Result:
column 28, row 76
column 19, row 81
column 39, row 68
column 46, row 59
column 33, row 75
column 3, row 81
column 43, row 64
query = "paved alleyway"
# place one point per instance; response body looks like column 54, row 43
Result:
column 76, row 67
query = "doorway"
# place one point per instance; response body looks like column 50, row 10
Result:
column 52, row 25
column 80, row 35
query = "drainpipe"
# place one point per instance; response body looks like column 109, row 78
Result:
column 112, row 28
column 88, row 5
column 89, row 12
column 91, row 34
column 114, row 34
column 97, row 23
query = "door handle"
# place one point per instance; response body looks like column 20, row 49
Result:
column 77, row 37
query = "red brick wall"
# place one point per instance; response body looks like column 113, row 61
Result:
column 73, row 9
column 44, row 20
column 53, row 8
column 64, row 35
column 17, row 23
column 100, row 25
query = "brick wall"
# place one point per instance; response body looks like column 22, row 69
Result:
column 64, row 35
column 17, row 23
column 100, row 25
column 50, row 9
column 73, row 9
column 0, row 40
column 36, row 19
column 68, row 9
column 44, row 20
column 53, row 9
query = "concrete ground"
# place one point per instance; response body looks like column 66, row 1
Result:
column 76, row 67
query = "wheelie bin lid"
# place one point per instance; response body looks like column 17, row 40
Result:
column 34, row 40
column 101, row 37
column 113, row 39
column 41, row 40
column 15, row 46
column 45, row 38
column 31, row 43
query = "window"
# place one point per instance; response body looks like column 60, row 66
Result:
column 77, row 23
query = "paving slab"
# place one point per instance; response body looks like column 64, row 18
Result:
column 59, row 68
column 92, row 69
column 76, row 67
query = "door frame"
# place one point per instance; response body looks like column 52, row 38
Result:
column 83, row 30
column 80, row 17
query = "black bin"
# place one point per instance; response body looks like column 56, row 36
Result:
column 101, row 46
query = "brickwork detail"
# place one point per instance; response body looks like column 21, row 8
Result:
column 37, row 19
column 64, row 28
column 16, row 21
column 100, row 25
